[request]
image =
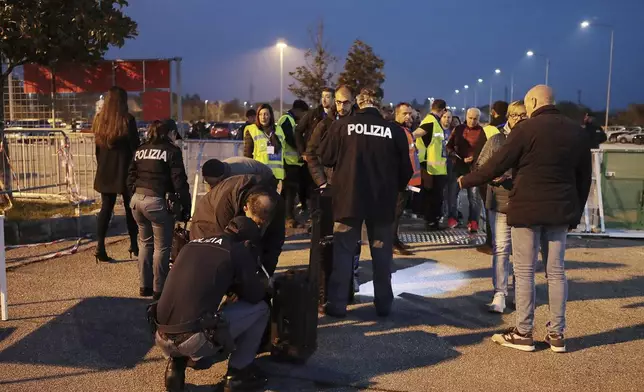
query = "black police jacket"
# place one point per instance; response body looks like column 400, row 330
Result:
column 206, row 270
column 158, row 167
column 370, row 157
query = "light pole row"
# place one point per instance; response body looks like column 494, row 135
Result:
column 530, row 53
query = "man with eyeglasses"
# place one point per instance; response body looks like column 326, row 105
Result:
column 322, row 177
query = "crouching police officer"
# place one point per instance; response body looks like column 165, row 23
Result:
column 192, row 329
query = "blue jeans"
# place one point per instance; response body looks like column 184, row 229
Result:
column 525, row 245
column 451, row 200
column 501, row 250
column 156, row 225
column 474, row 201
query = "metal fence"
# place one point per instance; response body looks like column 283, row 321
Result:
column 49, row 163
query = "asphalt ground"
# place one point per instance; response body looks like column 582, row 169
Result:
column 79, row 326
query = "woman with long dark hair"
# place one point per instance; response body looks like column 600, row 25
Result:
column 116, row 137
column 158, row 181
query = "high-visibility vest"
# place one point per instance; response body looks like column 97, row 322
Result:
column 433, row 154
column 261, row 144
column 490, row 130
column 413, row 157
column 291, row 157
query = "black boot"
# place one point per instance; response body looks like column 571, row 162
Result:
column 175, row 374
column 101, row 255
column 248, row 378
column 134, row 247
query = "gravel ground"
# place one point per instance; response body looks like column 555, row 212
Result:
column 79, row 326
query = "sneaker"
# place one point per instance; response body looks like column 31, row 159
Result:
column 513, row 339
column 498, row 303
column 557, row 342
column 452, row 223
column 473, row 227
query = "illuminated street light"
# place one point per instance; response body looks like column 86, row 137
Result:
column 530, row 53
column 480, row 80
column 466, row 87
column 586, row 24
column 497, row 71
column 281, row 45
column 456, row 91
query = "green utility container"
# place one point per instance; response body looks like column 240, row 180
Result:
column 623, row 189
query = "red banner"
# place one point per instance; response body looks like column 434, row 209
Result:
column 37, row 79
column 156, row 105
column 129, row 75
column 157, row 74
column 73, row 78
column 78, row 79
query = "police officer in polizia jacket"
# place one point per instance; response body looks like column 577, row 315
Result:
column 322, row 177
column 193, row 329
column 370, row 160
column 403, row 116
column 293, row 161
column 161, row 194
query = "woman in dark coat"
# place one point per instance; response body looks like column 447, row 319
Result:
column 117, row 138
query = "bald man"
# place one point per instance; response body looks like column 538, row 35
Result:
column 551, row 166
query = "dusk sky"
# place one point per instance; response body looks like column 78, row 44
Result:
column 430, row 48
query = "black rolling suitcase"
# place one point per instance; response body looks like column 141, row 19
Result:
column 294, row 317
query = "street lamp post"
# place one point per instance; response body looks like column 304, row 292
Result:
column 496, row 72
column 205, row 110
column 586, row 24
column 281, row 45
column 530, row 53
column 466, row 87
column 476, row 89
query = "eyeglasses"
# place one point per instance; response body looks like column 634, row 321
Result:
column 519, row 115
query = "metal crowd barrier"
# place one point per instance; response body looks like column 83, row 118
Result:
column 196, row 152
column 35, row 160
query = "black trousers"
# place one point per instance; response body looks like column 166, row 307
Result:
column 108, row 200
column 403, row 197
column 290, row 188
column 321, row 256
column 306, row 185
column 433, row 199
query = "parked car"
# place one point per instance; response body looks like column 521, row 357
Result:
column 628, row 137
column 220, row 130
column 638, row 139
column 614, row 133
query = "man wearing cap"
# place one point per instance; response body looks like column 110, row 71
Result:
column 232, row 182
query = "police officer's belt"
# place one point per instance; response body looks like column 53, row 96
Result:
column 214, row 326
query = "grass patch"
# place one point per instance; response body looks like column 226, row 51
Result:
column 35, row 209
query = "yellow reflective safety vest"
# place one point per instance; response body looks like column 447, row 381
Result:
column 265, row 153
column 291, row 157
column 434, row 155
column 490, row 130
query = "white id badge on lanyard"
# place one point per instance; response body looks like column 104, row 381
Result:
column 270, row 150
